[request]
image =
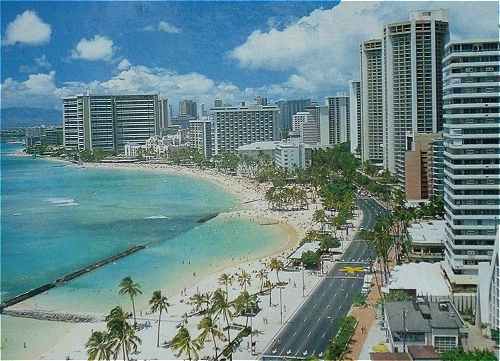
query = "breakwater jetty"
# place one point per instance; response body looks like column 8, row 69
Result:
column 68, row 277
column 207, row 218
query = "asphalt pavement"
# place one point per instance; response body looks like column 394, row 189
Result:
column 311, row 328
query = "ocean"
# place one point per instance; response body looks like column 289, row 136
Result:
column 57, row 217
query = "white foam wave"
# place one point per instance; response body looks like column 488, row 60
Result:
column 157, row 217
column 67, row 204
column 62, row 202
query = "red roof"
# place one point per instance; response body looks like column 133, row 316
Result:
column 423, row 352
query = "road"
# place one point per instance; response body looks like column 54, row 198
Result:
column 318, row 319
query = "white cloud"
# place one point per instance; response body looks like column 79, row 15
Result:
column 40, row 63
column 168, row 28
column 163, row 26
column 98, row 48
column 321, row 50
column 36, row 91
column 27, row 28
column 124, row 64
column 40, row 90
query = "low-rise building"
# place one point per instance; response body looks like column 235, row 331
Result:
column 33, row 136
column 427, row 241
column 489, row 294
column 422, row 323
column 290, row 155
column 418, row 167
column 419, row 280
column 285, row 154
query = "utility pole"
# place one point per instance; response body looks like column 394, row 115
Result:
column 404, row 330
column 281, row 308
column 303, row 282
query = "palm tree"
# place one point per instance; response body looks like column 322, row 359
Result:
column 129, row 287
column 225, row 280
column 198, row 301
column 262, row 276
column 245, row 304
column 99, row 346
column 209, row 327
column 276, row 265
column 159, row 303
column 244, row 279
column 222, row 307
column 184, row 344
column 269, row 285
column 122, row 335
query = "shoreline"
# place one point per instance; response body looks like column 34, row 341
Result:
column 251, row 206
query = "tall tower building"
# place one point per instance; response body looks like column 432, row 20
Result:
column 339, row 119
column 188, row 108
column 164, row 110
column 108, row 122
column 471, row 157
column 237, row 126
column 288, row 108
column 412, row 83
column 372, row 120
column 355, row 116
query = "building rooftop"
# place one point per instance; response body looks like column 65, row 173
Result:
column 309, row 246
column 425, row 278
column 269, row 145
column 422, row 316
column 431, row 232
column 423, row 353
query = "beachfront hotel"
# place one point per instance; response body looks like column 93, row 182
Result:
column 234, row 126
column 412, row 52
column 200, row 135
column 109, row 122
column 372, row 122
column 355, row 116
column 339, row 119
column 471, row 71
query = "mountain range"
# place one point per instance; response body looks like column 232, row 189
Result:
column 29, row 117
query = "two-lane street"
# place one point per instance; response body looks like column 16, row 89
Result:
column 308, row 332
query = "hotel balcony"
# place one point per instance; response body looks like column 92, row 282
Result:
column 471, row 156
column 471, row 105
column 472, row 116
column 463, row 54
column 465, row 65
column 470, row 166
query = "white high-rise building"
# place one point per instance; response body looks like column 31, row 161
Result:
column 471, row 71
column 200, row 135
column 339, row 114
column 372, row 120
column 355, row 116
column 412, row 52
column 299, row 119
column 108, row 122
column 237, row 126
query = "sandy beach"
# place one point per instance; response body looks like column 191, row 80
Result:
column 252, row 206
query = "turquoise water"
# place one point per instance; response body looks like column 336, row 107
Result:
column 58, row 217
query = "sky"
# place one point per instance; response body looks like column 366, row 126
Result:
column 200, row 50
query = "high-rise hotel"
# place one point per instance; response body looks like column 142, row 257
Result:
column 471, row 157
column 236, row 126
column 108, row 122
column 339, row 119
column 355, row 116
column 372, row 123
column 412, row 53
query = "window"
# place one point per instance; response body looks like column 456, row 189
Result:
column 445, row 343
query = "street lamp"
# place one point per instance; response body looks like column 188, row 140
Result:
column 303, row 281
